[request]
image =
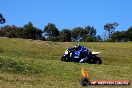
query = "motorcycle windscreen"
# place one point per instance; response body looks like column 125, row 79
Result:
column 66, row 52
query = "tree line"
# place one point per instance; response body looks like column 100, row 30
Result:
column 122, row 36
column 117, row 36
column 51, row 33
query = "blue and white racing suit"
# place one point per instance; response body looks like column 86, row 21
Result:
column 84, row 52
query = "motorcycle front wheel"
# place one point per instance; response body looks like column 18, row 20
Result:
column 64, row 59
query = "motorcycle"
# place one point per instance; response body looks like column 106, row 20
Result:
column 76, row 56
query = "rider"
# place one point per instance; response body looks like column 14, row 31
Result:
column 84, row 52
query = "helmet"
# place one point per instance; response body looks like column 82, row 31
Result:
column 77, row 46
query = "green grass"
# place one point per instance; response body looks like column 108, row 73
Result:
column 36, row 64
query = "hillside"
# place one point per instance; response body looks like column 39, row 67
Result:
column 30, row 63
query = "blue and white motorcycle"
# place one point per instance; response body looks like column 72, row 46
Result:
column 76, row 56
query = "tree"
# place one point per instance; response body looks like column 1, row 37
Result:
column 88, row 31
column 110, row 28
column 2, row 33
column 116, row 36
column 9, row 31
column 81, row 34
column 51, row 31
column 76, row 33
column 89, row 39
column 2, row 19
column 31, row 32
column 20, row 32
column 65, row 35
column 129, row 33
column 99, row 39
column 119, row 36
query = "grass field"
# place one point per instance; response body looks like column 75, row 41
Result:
column 36, row 64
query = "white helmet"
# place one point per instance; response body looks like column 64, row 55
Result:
column 77, row 46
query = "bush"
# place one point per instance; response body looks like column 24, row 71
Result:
column 108, row 40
